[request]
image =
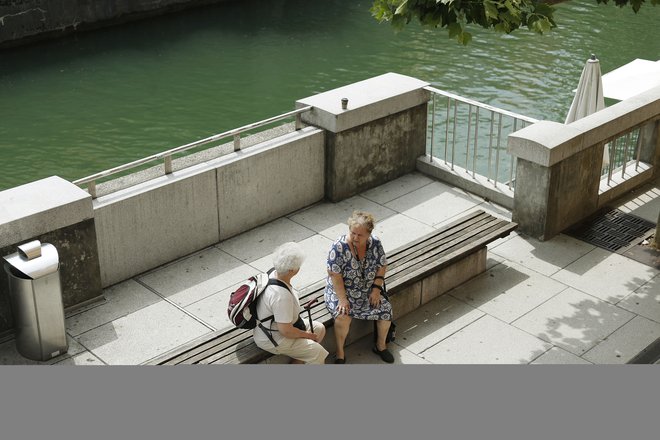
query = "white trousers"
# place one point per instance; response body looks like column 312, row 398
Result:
column 306, row 350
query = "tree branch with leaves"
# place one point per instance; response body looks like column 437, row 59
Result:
column 456, row 16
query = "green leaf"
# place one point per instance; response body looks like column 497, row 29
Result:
column 402, row 8
column 490, row 9
column 454, row 29
column 465, row 38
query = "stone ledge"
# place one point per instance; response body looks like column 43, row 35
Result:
column 368, row 100
column 39, row 207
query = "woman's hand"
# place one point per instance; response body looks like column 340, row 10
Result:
column 343, row 306
column 374, row 297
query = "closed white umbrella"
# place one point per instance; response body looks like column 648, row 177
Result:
column 589, row 97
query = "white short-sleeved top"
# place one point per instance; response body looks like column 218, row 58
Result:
column 283, row 304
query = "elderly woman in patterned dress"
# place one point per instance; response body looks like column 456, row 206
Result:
column 356, row 276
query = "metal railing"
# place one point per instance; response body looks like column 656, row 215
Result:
column 474, row 136
column 623, row 152
column 166, row 156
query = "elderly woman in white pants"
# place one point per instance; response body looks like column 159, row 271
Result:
column 291, row 335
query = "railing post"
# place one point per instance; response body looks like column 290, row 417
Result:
column 467, row 142
column 432, row 127
column 237, row 142
column 476, row 144
column 490, row 142
column 497, row 149
column 168, row 164
column 91, row 188
column 447, row 127
column 453, row 137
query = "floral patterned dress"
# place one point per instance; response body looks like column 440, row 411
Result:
column 358, row 277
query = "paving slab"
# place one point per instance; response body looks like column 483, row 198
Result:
column 261, row 241
column 434, row 321
column 434, row 204
column 9, row 354
column 644, row 301
column 507, row 291
column 495, row 210
column 625, row 343
column 574, row 320
column 559, row 356
column 120, row 300
column 487, row 341
column 331, row 219
column 195, row 277
column 605, row 275
column 493, row 260
column 644, row 202
column 397, row 188
column 142, row 335
column 212, row 310
column 84, row 358
column 545, row 257
column 360, row 352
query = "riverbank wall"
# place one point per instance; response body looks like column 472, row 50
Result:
column 143, row 224
column 27, row 21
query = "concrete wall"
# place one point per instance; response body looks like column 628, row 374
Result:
column 23, row 21
column 144, row 223
column 152, row 223
column 158, row 221
column 558, row 167
column 259, row 185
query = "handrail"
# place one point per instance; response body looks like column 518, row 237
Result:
column 167, row 155
column 469, row 130
column 480, row 104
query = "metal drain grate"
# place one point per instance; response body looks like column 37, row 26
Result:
column 613, row 230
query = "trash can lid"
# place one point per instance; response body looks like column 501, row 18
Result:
column 34, row 259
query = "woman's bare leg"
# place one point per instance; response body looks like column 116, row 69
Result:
column 342, row 325
column 381, row 328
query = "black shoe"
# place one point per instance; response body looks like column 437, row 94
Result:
column 340, row 361
column 385, row 355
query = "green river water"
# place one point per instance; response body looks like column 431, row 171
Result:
column 78, row 105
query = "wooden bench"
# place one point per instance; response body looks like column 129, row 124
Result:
column 415, row 269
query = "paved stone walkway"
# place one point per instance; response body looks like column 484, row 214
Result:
column 559, row 301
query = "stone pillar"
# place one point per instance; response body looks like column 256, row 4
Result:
column 54, row 211
column 376, row 138
column 649, row 142
column 556, row 178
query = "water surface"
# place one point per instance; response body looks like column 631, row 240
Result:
column 89, row 102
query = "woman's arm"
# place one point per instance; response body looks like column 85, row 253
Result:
column 378, row 286
column 340, row 290
column 289, row 331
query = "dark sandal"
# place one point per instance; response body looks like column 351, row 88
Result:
column 385, row 355
column 340, row 361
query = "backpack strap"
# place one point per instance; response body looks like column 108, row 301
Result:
column 268, row 331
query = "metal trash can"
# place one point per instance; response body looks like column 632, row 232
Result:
column 35, row 295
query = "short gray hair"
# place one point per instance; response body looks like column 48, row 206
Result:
column 288, row 256
column 362, row 218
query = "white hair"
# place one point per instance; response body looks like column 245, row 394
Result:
column 287, row 257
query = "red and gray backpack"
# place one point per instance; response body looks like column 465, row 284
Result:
column 242, row 308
